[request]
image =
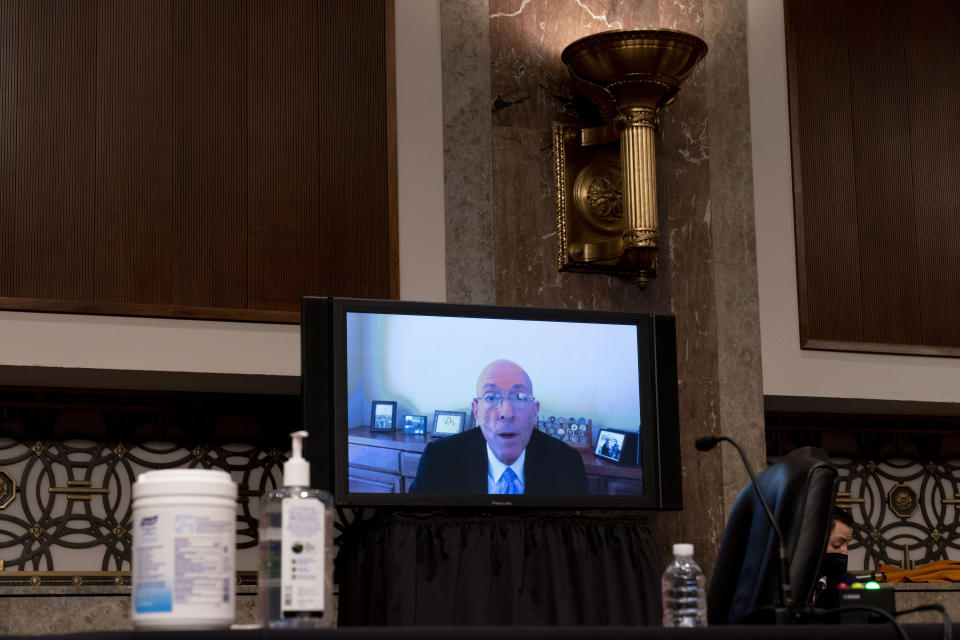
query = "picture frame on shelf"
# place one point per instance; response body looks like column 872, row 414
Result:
column 619, row 446
column 415, row 425
column 448, row 423
column 610, row 445
column 383, row 416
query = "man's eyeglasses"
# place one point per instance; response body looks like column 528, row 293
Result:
column 495, row 399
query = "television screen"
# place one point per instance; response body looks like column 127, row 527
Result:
column 519, row 399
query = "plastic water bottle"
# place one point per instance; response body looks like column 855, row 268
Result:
column 684, row 598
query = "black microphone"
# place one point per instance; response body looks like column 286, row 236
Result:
column 706, row 443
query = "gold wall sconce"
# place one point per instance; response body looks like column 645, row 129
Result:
column 606, row 175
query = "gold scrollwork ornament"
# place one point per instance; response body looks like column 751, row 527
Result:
column 903, row 501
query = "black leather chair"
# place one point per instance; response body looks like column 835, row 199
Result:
column 800, row 489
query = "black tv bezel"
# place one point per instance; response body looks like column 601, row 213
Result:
column 323, row 353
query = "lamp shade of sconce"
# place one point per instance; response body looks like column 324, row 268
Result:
column 606, row 175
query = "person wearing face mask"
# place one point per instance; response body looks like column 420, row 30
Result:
column 833, row 567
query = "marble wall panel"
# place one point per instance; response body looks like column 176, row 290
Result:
column 685, row 184
column 707, row 270
column 34, row 615
column 530, row 89
column 467, row 161
column 734, row 241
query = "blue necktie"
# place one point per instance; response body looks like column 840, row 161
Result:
column 509, row 482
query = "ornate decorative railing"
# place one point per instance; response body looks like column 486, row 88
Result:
column 899, row 477
column 68, row 461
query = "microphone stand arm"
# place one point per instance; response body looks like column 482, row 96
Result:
column 785, row 594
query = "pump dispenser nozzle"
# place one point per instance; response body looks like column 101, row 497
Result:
column 296, row 471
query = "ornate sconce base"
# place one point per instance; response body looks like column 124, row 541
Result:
column 590, row 217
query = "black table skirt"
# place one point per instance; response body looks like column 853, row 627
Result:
column 543, row 569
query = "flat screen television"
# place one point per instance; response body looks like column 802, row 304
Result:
column 408, row 402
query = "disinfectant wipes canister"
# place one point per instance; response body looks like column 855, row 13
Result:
column 184, row 532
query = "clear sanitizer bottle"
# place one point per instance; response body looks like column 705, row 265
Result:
column 292, row 590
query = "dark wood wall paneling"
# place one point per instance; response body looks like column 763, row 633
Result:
column 874, row 115
column 202, row 158
column 283, row 149
column 363, row 250
column 210, row 173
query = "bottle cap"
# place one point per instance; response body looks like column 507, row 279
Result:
column 683, row 549
column 296, row 470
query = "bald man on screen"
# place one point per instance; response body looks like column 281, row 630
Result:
column 505, row 454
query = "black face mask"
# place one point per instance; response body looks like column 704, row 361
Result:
column 834, row 565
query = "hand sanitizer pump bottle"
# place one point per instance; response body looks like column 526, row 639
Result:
column 292, row 590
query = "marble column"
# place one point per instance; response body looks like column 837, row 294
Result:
column 467, row 158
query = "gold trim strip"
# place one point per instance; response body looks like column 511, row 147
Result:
column 78, row 490
column 64, row 578
column 88, row 578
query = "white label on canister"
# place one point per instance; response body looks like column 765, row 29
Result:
column 302, row 555
column 182, row 560
column 152, row 573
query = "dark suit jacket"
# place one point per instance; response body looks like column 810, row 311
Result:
column 458, row 464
